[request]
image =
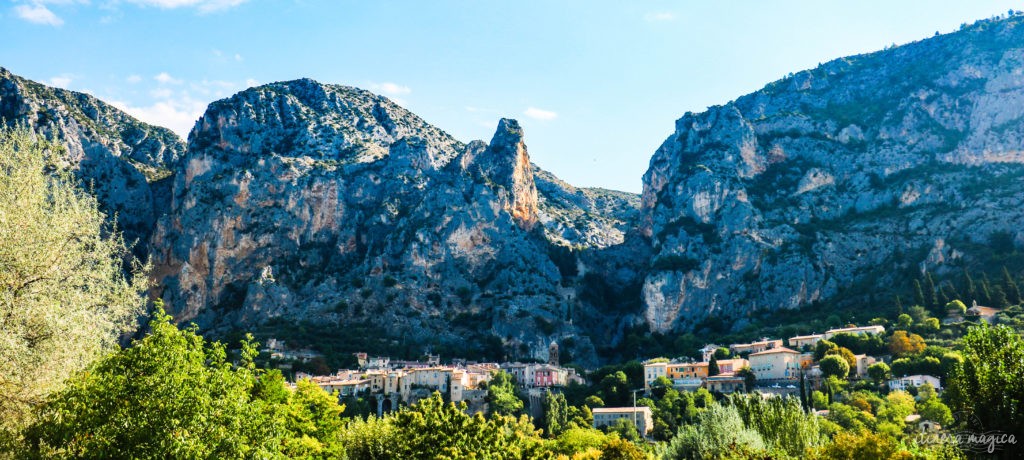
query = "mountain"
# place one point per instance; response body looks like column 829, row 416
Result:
column 126, row 162
column 841, row 184
column 329, row 206
column 333, row 218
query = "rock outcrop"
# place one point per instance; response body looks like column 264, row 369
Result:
column 332, row 206
column 126, row 162
column 841, row 181
column 330, row 214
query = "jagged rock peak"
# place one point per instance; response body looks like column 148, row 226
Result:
column 508, row 165
column 305, row 118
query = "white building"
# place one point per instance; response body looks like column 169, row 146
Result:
column 652, row 371
column 641, row 416
column 708, row 350
column 862, row 330
column 902, row 383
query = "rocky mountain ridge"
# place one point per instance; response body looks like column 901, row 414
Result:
column 125, row 161
column 331, row 216
column 852, row 176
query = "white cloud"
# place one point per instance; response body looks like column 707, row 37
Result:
column 659, row 16
column 178, row 107
column 133, row 79
column 166, row 78
column 61, row 81
column 238, row 57
column 540, row 114
column 37, row 13
column 176, row 112
column 203, row 6
column 390, row 89
column 250, row 82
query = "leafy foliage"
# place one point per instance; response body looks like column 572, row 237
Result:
column 989, row 382
column 68, row 285
column 172, row 395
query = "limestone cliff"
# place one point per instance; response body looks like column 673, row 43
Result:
column 123, row 160
column 332, row 206
column 840, row 181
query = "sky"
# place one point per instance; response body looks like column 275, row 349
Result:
column 596, row 85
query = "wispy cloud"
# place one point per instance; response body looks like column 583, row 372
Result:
column 38, row 13
column 166, row 79
column 178, row 107
column 61, row 81
column 133, row 79
column 203, row 6
column 659, row 16
column 540, row 114
column 390, row 89
column 179, row 115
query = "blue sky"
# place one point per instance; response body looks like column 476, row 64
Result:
column 597, row 85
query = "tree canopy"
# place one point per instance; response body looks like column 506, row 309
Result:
column 68, row 287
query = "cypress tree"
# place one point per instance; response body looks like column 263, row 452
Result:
column 1010, row 288
column 969, row 290
column 918, row 294
column 713, row 367
column 929, row 285
column 985, row 291
column 803, row 393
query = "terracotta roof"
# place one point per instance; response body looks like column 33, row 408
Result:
column 983, row 311
column 776, row 350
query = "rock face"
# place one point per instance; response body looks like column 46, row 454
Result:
column 330, row 213
column 332, row 206
column 839, row 181
column 125, row 161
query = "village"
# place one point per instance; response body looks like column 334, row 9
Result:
column 769, row 367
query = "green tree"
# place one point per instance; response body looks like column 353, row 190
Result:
column 834, row 365
column 879, row 372
column 989, row 382
column 501, row 395
column 621, row 449
column 904, row 321
column 370, row 439
column 556, row 414
column 781, row 422
column 1010, row 288
column 718, row 432
column 580, row 440
column 68, row 285
column 625, row 429
column 433, row 429
column 749, row 378
column 823, row 348
column 614, row 389
column 713, row 366
column 314, row 424
column 861, row 445
column 169, row 395
column 956, row 307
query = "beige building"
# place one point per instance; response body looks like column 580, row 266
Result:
column 776, row 364
column 726, row 383
column 609, row 416
column 801, row 341
column 755, row 347
column 863, row 362
column 652, row 371
column 855, row 331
